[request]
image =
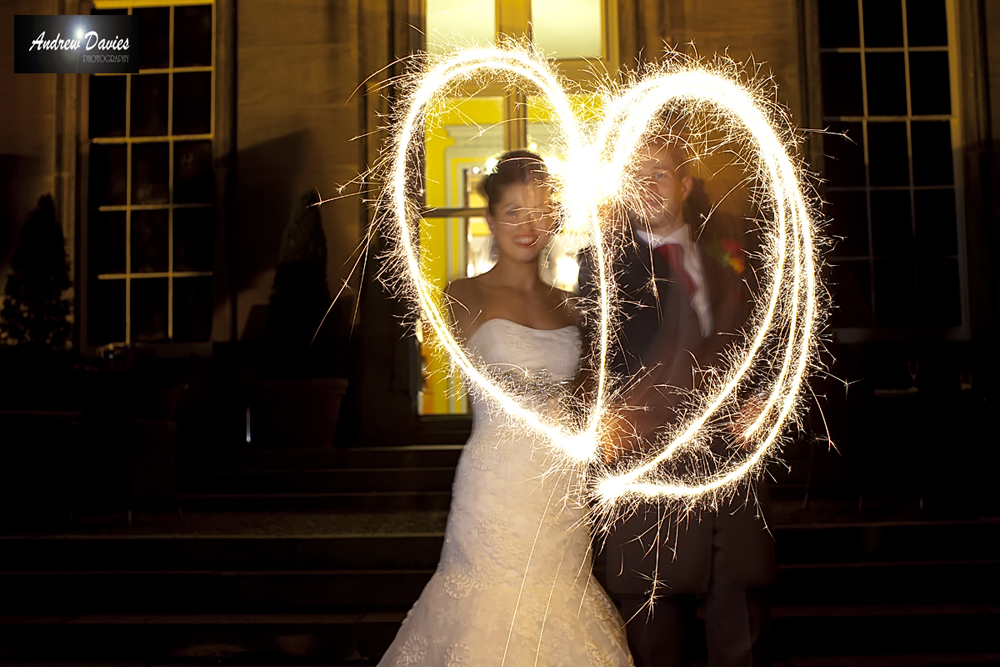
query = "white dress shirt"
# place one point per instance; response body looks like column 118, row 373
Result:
column 692, row 264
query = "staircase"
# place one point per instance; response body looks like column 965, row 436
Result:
column 317, row 555
column 80, row 598
column 894, row 593
column 374, row 479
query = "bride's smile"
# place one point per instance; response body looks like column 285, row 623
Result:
column 521, row 221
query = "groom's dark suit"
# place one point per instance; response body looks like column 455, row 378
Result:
column 723, row 554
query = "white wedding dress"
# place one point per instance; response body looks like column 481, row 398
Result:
column 514, row 584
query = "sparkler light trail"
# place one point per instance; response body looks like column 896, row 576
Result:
column 780, row 347
column 518, row 66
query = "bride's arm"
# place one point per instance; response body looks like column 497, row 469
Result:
column 461, row 297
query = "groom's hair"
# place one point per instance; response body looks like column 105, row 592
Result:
column 673, row 135
column 518, row 167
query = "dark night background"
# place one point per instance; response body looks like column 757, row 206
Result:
column 173, row 488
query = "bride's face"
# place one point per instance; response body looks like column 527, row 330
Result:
column 521, row 221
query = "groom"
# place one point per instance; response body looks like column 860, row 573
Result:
column 681, row 303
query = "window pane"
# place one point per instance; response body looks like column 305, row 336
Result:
column 150, row 241
column 838, row 24
column 883, row 22
column 194, row 239
column 888, row 154
column 892, row 223
column 850, row 291
column 926, row 23
column 932, row 159
column 936, row 227
column 154, row 33
column 193, row 36
column 149, row 105
column 940, row 295
column 106, row 242
column 107, row 106
column 192, row 103
column 842, row 84
column 150, row 170
column 105, row 311
column 461, row 133
column 546, row 134
column 844, row 161
column 930, row 83
column 107, row 174
column 886, row 77
column 461, row 137
column 896, row 302
column 848, row 214
column 458, row 22
column 194, row 181
column 568, row 28
column 192, row 309
column 149, row 309
column 891, row 199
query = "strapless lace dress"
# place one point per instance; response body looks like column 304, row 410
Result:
column 514, row 584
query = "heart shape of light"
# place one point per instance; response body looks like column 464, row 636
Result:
column 785, row 321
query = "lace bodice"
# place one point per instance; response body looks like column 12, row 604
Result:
column 528, row 363
column 503, row 344
column 514, row 585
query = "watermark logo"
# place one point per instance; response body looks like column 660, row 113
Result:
column 75, row 44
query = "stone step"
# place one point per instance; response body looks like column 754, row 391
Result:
column 883, row 631
column 884, row 636
column 888, row 584
column 876, row 589
column 211, row 592
column 173, row 553
column 446, row 429
column 353, row 480
column 414, row 456
column 213, row 500
column 360, row 501
column 343, row 478
column 302, row 590
column 193, row 638
column 376, row 541
column 972, row 539
column 329, row 480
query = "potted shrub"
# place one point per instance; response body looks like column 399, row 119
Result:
column 35, row 315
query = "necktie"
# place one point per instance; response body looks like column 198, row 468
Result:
column 673, row 253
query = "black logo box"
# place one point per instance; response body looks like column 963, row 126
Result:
column 75, row 44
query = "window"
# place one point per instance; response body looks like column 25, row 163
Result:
column 150, row 221
column 465, row 133
column 892, row 181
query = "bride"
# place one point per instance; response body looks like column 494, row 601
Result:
column 514, row 584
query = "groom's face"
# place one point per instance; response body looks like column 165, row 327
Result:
column 662, row 185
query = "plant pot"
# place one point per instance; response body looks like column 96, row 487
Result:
column 300, row 414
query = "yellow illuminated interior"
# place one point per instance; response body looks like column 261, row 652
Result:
column 462, row 136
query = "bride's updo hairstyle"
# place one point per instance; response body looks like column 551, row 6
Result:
column 518, row 167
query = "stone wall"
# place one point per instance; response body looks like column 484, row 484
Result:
column 298, row 120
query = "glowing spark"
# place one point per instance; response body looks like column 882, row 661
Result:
column 791, row 311
column 595, row 174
